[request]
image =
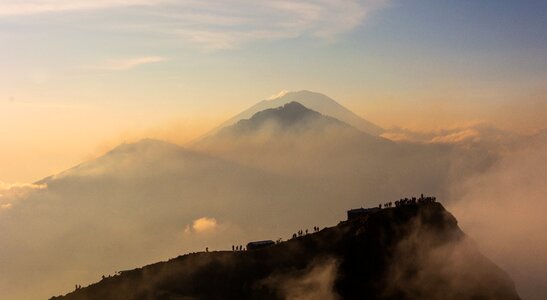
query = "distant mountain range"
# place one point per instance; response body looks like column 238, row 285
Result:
column 410, row 252
column 280, row 168
column 296, row 142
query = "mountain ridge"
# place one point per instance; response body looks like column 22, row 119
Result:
column 361, row 257
column 148, row 193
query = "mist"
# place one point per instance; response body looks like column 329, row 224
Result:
column 504, row 209
column 431, row 264
column 314, row 282
column 149, row 201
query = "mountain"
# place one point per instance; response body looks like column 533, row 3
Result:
column 413, row 251
column 296, row 142
column 283, row 168
column 286, row 115
column 138, row 203
column 291, row 117
column 314, row 101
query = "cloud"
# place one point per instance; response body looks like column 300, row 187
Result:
column 33, row 7
column 504, row 211
column 276, row 20
column 315, row 282
column 10, row 192
column 429, row 261
column 215, row 24
column 18, row 189
column 278, row 95
column 202, row 225
column 472, row 133
column 5, row 206
column 127, row 63
column 465, row 134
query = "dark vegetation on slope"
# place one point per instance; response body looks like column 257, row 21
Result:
column 379, row 256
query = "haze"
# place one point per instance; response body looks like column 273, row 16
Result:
column 123, row 127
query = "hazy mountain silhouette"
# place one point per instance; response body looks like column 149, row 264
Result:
column 134, row 205
column 315, row 101
column 415, row 251
column 291, row 117
column 139, row 202
column 297, row 142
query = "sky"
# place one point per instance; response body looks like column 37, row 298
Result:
column 78, row 77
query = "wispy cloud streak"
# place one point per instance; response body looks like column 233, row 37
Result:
column 33, row 7
column 126, row 63
column 215, row 24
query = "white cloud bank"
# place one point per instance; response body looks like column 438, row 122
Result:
column 504, row 210
column 217, row 24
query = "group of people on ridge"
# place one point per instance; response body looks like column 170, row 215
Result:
column 238, row 248
column 304, row 232
column 407, row 201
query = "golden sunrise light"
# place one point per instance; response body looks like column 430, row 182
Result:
column 314, row 149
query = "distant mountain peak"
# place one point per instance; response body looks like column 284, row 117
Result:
column 311, row 100
column 289, row 112
column 292, row 106
column 292, row 115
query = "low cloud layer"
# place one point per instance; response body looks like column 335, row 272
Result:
column 473, row 133
column 430, row 264
column 504, row 211
column 315, row 282
column 12, row 192
column 133, row 205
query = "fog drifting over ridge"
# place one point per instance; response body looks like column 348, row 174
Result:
column 134, row 204
column 504, row 211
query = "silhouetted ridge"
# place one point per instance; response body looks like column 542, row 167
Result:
column 412, row 251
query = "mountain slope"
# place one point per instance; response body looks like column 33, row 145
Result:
column 415, row 251
column 137, row 203
column 146, row 201
column 308, row 147
column 314, row 101
column 296, row 142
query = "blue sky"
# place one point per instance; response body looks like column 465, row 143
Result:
column 85, row 72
